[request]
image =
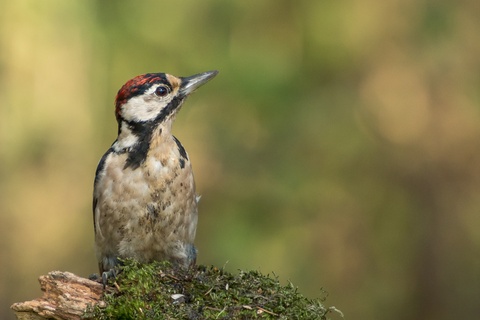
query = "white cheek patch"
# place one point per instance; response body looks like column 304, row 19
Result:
column 141, row 109
column 126, row 139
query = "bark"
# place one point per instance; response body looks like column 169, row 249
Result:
column 65, row 296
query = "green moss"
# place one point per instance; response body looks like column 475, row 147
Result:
column 161, row 291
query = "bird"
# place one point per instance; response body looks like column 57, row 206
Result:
column 145, row 205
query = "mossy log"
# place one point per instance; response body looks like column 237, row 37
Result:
column 162, row 291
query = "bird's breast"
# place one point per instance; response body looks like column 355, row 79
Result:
column 162, row 186
column 158, row 198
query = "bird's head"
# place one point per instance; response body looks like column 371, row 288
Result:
column 155, row 97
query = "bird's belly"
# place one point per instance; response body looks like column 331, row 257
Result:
column 149, row 213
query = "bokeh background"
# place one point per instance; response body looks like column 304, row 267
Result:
column 339, row 147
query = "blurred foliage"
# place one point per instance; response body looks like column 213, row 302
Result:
column 338, row 147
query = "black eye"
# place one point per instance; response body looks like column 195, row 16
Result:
column 161, row 91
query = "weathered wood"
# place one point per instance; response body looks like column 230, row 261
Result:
column 66, row 296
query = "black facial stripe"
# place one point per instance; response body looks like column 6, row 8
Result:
column 138, row 153
column 172, row 106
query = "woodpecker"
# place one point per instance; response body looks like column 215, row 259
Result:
column 144, row 200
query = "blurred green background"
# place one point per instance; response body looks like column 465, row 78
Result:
column 339, row 146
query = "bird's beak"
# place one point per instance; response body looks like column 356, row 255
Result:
column 190, row 84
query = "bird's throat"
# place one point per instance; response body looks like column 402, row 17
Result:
column 136, row 139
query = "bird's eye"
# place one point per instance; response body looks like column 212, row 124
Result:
column 162, row 91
